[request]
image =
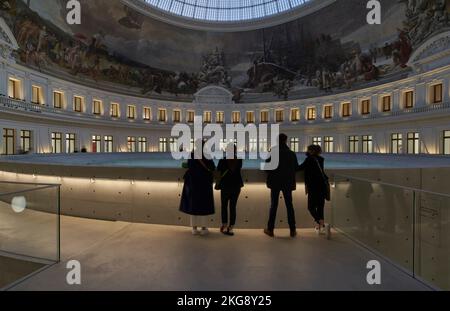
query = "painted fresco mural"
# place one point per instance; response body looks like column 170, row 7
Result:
column 330, row 51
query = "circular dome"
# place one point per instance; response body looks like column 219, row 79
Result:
column 226, row 10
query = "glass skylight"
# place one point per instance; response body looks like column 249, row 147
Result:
column 226, row 10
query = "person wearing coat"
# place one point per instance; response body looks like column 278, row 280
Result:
column 282, row 179
column 230, row 185
column 316, row 187
column 197, row 199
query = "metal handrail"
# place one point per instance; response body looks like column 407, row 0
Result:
column 392, row 185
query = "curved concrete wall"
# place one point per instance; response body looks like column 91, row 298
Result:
column 153, row 195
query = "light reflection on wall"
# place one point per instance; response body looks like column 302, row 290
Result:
column 156, row 202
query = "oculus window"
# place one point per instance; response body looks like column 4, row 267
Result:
column 226, row 10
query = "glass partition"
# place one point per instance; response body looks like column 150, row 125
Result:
column 410, row 227
column 432, row 256
column 29, row 228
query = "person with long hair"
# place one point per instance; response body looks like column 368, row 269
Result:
column 316, row 182
column 197, row 199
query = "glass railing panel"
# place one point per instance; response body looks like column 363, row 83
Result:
column 377, row 215
column 433, row 239
column 29, row 221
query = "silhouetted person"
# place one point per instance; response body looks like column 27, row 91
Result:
column 230, row 185
column 282, row 180
column 316, row 187
column 197, row 199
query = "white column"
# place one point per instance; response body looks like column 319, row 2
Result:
column 396, row 100
column 26, row 88
column 421, row 95
column 319, row 111
column 48, row 94
column 169, row 116
column 1, row 141
column 3, row 81
column 88, row 103
column 69, row 100
column 374, row 101
column 446, row 90
column 154, row 113
column 355, row 107
column 139, row 111
column 123, row 111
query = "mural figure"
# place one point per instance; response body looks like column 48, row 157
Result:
column 5, row 5
column 213, row 70
column 424, row 17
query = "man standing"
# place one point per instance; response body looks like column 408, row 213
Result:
column 282, row 180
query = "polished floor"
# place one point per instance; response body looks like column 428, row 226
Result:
column 124, row 256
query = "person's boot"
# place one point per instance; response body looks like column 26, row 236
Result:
column 223, row 229
column 269, row 233
column 293, row 233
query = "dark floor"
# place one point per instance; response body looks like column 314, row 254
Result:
column 12, row 270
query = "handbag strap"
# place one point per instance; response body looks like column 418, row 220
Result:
column 321, row 170
column 204, row 165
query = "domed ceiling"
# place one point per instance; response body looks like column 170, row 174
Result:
column 329, row 51
column 225, row 10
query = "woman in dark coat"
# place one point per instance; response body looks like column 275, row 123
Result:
column 316, row 187
column 230, row 185
column 197, row 199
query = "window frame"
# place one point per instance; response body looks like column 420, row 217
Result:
column 147, row 114
column 328, row 111
column 70, row 142
column 353, row 144
column 367, row 144
column 406, row 104
column 131, row 112
column 344, row 113
column 396, row 143
column 97, row 107
column 434, row 98
column 26, row 140
column 114, row 110
column 56, row 140
column 386, row 103
column 311, row 113
column 264, row 116
column 328, row 143
column 162, row 115
column 295, row 115
column 78, row 106
column 413, row 141
column 365, row 107
column 108, row 143
column 61, row 98
column 38, row 97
